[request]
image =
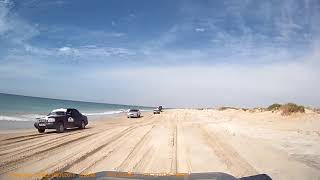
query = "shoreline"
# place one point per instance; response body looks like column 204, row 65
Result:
column 16, row 126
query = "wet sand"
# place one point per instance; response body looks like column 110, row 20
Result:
column 176, row 141
column 6, row 125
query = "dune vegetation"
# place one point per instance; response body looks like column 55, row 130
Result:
column 287, row 109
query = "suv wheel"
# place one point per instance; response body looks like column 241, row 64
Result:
column 60, row 128
column 83, row 125
column 40, row 130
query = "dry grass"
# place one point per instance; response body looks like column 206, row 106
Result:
column 289, row 108
column 286, row 109
column 226, row 107
column 317, row 110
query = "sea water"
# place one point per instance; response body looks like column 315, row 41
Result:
column 26, row 108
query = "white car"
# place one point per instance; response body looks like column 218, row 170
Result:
column 133, row 113
column 156, row 111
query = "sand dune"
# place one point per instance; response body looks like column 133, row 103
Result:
column 176, row 141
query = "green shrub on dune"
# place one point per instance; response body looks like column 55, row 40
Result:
column 286, row 109
column 290, row 108
column 226, row 107
column 274, row 107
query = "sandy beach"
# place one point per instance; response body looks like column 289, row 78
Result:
column 236, row 142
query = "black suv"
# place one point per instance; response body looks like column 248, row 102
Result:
column 60, row 119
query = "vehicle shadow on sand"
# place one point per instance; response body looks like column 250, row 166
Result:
column 53, row 131
column 136, row 117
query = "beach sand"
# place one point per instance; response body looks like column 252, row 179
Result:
column 236, row 142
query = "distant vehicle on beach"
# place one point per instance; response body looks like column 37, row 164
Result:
column 156, row 111
column 133, row 113
column 60, row 119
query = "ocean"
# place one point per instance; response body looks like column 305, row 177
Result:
column 26, row 108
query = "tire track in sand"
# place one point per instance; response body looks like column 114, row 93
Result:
column 65, row 156
column 36, row 145
column 118, row 146
column 135, row 151
column 144, row 161
column 237, row 165
column 12, row 164
column 25, row 136
column 174, row 148
column 90, row 162
column 23, row 151
column 174, row 156
column 78, row 157
column 64, row 166
column 17, row 140
column 183, row 160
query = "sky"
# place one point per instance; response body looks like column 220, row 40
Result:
column 172, row 53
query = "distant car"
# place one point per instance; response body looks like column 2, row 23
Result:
column 60, row 119
column 156, row 111
column 133, row 113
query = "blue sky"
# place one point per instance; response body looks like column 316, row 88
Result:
column 175, row 53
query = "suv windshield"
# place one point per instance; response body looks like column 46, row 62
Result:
column 162, row 87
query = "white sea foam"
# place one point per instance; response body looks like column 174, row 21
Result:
column 33, row 117
column 103, row 113
column 26, row 117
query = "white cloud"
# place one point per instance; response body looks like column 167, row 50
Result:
column 4, row 10
column 64, row 49
column 100, row 34
column 36, row 51
column 69, row 51
column 78, row 53
column 16, row 67
column 13, row 28
column 117, row 34
column 199, row 29
column 211, row 85
column 94, row 51
column 188, row 85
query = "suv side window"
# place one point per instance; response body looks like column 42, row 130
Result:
column 75, row 113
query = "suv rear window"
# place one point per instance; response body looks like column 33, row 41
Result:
column 133, row 110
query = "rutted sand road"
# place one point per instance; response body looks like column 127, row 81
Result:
column 181, row 141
